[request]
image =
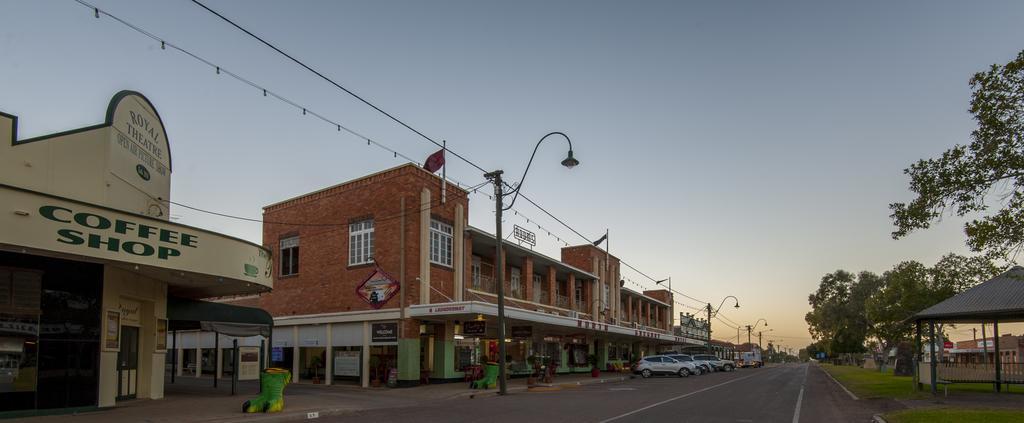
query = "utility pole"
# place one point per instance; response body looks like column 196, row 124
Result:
column 499, row 264
column 748, row 337
column 709, row 328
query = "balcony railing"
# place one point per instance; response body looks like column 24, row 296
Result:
column 542, row 297
column 562, row 301
column 484, row 283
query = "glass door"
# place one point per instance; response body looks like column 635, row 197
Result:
column 128, row 363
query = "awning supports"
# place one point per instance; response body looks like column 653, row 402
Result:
column 931, row 340
column 999, row 361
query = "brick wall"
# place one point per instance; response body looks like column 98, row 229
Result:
column 325, row 282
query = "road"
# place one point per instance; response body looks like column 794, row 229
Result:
column 787, row 393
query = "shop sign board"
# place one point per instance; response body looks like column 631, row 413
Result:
column 384, row 332
column 130, row 311
column 112, row 330
column 522, row 332
column 66, row 226
column 277, row 354
column 346, row 363
column 161, row 334
column 248, row 363
column 474, row 327
column 378, row 288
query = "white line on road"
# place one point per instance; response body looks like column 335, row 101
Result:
column 800, row 397
column 840, row 384
column 677, row 398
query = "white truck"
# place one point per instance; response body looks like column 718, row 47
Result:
column 749, row 359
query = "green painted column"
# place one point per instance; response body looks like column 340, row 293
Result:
column 444, row 352
column 409, row 361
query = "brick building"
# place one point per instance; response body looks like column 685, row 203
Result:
column 343, row 251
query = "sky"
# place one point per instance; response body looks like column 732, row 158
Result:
column 743, row 148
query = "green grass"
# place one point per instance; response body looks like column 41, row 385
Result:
column 874, row 384
column 958, row 415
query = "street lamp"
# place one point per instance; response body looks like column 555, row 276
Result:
column 499, row 195
column 750, row 328
column 714, row 312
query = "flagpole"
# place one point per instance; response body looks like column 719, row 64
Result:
column 444, row 169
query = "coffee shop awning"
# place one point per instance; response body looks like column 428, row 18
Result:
column 1000, row 298
column 186, row 314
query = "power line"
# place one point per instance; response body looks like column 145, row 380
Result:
column 407, row 126
column 305, row 110
column 337, row 85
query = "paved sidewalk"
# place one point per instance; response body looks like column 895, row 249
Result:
column 195, row 400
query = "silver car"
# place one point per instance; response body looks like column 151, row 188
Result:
column 720, row 364
column 692, row 367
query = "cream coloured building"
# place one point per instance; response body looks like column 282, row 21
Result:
column 89, row 259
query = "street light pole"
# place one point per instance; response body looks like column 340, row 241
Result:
column 499, row 259
column 714, row 312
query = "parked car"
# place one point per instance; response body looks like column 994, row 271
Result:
column 708, row 366
column 718, row 363
column 691, row 366
column 660, row 365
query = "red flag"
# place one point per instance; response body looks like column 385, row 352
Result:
column 434, row 161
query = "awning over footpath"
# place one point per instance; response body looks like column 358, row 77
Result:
column 232, row 320
column 999, row 298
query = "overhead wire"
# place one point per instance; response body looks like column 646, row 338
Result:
column 306, row 110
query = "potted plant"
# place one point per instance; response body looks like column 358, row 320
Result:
column 316, row 363
column 592, row 360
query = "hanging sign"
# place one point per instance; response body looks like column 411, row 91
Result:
column 474, row 327
column 377, row 288
column 522, row 332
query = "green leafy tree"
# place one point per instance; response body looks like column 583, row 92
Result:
column 837, row 314
column 911, row 287
column 966, row 180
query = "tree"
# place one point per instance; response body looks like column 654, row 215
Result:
column 904, row 294
column 966, row 179
column 911, row 287
column 837, row 313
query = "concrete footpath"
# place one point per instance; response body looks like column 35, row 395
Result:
column 195, row 400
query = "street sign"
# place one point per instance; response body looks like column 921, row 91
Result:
column 524, row 236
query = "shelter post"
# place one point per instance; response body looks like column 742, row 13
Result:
column 174, row 356
column 917, row 356
column 931, row 349
column 998, row 359
column 216, row 356
column 234, row 365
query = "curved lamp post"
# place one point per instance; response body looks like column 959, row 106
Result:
column 750, row 328
column 714, row 312
column 499, row 195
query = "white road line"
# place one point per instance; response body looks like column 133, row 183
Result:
column 800, row 397
column 840, row 384
column 677, row 398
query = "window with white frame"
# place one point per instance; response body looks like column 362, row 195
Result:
column 516, row 282
column 290, row 256
column 360, row 242
column 440, row 243
column 475, row 271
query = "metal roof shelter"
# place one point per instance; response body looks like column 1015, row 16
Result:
column 232, row 320
column 1000, row 299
